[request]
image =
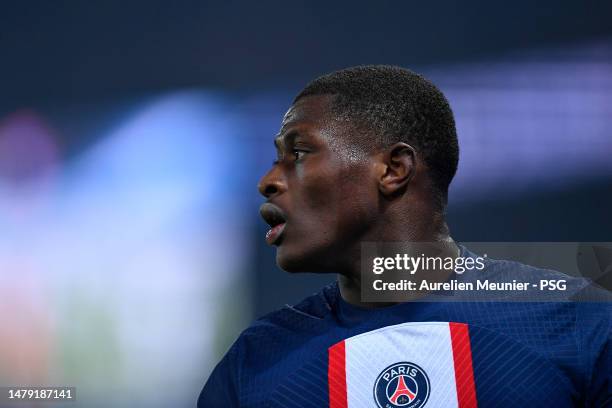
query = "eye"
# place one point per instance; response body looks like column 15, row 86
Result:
column 298, row 154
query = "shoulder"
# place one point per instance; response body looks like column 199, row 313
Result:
column 516, row 281
column 283, row 324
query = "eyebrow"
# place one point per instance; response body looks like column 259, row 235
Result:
column 285, row 138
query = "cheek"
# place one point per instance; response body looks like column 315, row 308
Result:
column 357, row 206
column 318, row 207
column 316, row 181
column 338, row 201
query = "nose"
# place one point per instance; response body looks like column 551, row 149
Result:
column 271, row 183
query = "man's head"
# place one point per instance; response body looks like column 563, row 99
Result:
column 361, row 152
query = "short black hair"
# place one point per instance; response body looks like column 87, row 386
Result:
column 396, row 105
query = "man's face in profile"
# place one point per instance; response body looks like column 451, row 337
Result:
column 321, row 196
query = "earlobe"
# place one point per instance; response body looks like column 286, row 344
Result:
column 400, row 166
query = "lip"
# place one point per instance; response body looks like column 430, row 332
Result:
column 274, row 234
column 276, row 219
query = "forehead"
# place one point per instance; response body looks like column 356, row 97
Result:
column 310, row 111
column 314, row 118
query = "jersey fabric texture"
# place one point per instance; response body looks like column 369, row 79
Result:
column 324, row 352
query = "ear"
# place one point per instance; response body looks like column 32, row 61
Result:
column 399, row 164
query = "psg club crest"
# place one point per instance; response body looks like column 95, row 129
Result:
column 402, row 385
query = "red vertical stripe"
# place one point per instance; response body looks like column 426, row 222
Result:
column 464, row 373
column 336, row 376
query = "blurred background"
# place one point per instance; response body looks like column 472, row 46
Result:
column 132, row 135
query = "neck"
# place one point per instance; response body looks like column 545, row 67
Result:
column 404, row 230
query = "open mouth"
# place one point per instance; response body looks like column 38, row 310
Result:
column 276, row 220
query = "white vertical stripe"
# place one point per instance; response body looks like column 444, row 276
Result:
column 426, row 344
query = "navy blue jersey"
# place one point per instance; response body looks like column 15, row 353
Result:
column 323, row 352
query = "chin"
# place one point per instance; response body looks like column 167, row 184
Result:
column 291, row 264
column 298, row 261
